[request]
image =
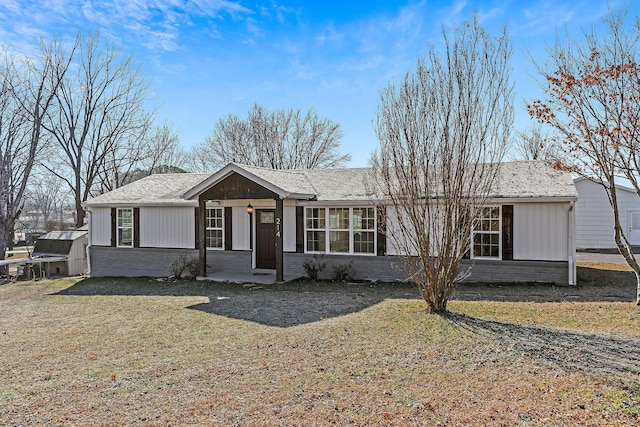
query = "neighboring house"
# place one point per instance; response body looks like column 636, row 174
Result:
column 594, row 216
column 61, row 253
column 142, row 228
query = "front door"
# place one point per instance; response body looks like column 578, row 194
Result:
column 265, row 239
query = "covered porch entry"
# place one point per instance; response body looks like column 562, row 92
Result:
column 252, row 229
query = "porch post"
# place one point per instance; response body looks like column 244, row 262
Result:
column 279, row 245
column 202, row 244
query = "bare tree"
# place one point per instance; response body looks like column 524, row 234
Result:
column 159, row 152
column 280, row 140
column 47, row 196
column 443, row 133
column 165, row 154
column 593, row 101
column 534, row 143
column 99, row 118
column 27, row 93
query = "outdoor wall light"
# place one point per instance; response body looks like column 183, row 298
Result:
column 249, row 209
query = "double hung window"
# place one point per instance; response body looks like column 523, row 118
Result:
column 125, row 227
column 485, row 237
column 214, row 232
column 340, row 230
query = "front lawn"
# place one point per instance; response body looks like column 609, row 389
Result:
column 157, row 358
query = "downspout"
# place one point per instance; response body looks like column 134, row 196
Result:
column 571, row 243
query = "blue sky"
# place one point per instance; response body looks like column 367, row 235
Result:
column 207, row 59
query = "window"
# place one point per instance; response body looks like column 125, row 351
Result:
column 364, row 223
column 214, row 232
column 315, row 230
column 340, row 230
column 485, row 237
column 125, row 227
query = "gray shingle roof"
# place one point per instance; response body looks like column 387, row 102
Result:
column 157, row 189
column 532, row 179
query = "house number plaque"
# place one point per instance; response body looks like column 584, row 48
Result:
column 278, row 227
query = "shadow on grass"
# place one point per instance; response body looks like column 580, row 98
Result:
column 282, row 305
column 568, row 350
column 594, row 285
column 299, row 302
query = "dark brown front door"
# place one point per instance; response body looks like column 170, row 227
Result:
column 265, row 239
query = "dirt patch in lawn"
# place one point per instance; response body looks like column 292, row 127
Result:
column 565, row 349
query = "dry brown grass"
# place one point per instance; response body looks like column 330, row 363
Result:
column 151, row 360
column 605, row 265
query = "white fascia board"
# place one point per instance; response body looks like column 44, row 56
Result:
column 176, row 203
column 550, row 199
column 340, row 203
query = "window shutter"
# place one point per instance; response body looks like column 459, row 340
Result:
column 197, row 228
column 381, row 234
column 507, row 232
column 136, row 227
column 228, row 230
column 114, row 226
column 299, row 229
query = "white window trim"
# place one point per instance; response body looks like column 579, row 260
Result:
column 206, row 228
column 327, row 230
column 499, row 233
column 119, row 227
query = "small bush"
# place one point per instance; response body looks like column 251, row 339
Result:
column 314, row 266
column 183, row 264
column 343, row 272
column 193, row 267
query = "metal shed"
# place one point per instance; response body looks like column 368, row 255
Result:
column 67, row 250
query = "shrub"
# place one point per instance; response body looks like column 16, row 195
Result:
column 183, row 264
column 193, row 267
column 314, row 266
column 343, row 272
column 178, row 266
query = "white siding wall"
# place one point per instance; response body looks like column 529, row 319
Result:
column 289, row 229
column 392, row 230
column 240, row 227
column 594, row 217
column 167, row 227
column 540, row 231
column 100, row 227
column 77, row 261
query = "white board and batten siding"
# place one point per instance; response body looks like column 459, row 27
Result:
column 100, row 228
column 167, row 227
column 594, row 216
column 540, row 231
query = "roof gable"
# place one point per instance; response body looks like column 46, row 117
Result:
column 283, row 183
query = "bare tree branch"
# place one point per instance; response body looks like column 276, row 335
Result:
column 99, row 118
column 283, row 139
column 593, row 102
column 443, row 133
column 27, row 92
